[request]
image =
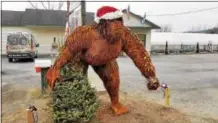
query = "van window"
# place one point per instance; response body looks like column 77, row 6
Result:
column 12, row 40
column 16, row 39
column 23, row 40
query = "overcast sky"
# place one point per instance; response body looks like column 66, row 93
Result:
column 179, row 23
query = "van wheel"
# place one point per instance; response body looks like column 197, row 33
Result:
column 10, row 59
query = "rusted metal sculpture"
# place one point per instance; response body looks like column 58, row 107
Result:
column 99, row 45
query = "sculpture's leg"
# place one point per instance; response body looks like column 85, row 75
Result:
column 109, row 74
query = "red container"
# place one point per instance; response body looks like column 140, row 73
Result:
column 38, row 69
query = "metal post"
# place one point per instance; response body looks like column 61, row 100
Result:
column 166, row 48
column 83, row 12
column 197, row 48
column 43, row 80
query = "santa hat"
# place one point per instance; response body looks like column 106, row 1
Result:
column 107, row 13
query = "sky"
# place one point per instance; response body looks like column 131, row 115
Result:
column 179, row 23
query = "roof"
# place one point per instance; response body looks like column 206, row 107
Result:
column 44, row 17
column 141, row 18
column 89, row 18
column 19, row 33
column 40, row 17
column 12, row 18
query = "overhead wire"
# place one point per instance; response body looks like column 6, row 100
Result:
column 188, row 12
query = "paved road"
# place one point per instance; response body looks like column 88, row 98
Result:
column 193, row 80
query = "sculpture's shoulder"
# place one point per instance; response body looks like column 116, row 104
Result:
column 84, row 29
column 82, row 34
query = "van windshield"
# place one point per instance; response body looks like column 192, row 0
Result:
column 18, row 40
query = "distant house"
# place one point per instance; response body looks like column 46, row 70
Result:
column 47, row 24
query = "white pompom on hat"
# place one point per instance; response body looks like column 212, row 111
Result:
column 107, row 13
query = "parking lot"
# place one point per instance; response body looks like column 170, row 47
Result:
column 193, row 80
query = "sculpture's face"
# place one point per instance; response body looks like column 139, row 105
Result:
column 114, row 29
column 111, row 29
column 115, row 26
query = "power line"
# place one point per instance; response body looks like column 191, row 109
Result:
column 188, row 12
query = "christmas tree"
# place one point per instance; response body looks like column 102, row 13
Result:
column 74, row 100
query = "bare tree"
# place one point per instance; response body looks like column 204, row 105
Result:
column 199, row 29
column 47, row 5
column 165, row 28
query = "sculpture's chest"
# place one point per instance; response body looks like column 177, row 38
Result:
column 101, row 52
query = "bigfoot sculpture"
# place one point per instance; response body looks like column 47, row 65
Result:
column 99, row 45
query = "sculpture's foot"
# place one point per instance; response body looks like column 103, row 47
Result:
column 119, row 109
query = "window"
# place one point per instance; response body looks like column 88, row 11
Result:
column 23, row 40
column 12, row 40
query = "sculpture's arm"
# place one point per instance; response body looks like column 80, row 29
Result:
column 137, row 52
column 75, row 43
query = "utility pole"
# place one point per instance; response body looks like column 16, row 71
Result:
column 83, row 12
column 68, row 15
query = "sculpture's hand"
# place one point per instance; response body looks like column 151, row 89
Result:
column 153, row 83
column 52, row 75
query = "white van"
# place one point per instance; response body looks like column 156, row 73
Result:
column 21, row 45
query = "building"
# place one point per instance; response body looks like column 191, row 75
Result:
column 46, row 25
column 43, row 24
column 139, row 26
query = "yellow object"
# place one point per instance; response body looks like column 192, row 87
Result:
column 167, row 96
column 29, row 116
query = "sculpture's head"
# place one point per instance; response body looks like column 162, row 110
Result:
column 109, row 22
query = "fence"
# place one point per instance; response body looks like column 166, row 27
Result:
column 183, row 48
